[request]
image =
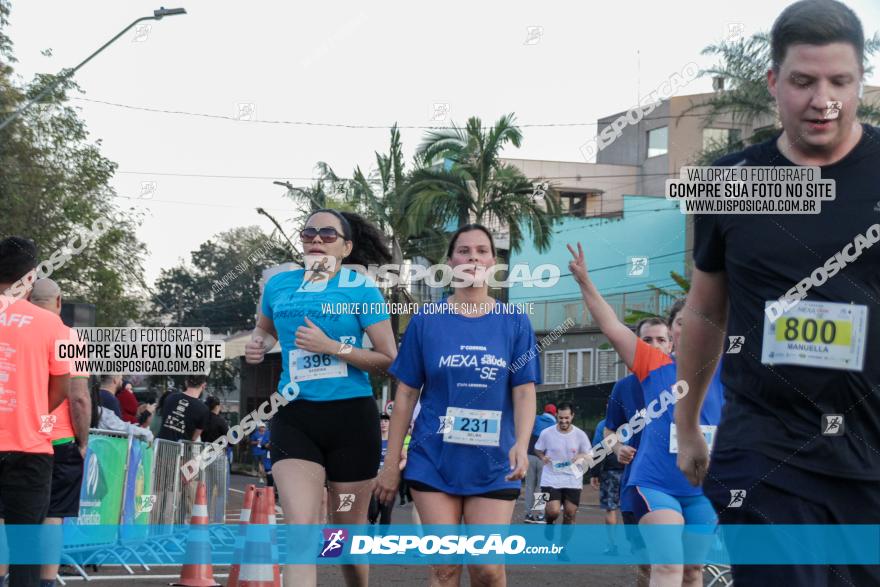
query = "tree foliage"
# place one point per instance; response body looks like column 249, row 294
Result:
column 55, row 183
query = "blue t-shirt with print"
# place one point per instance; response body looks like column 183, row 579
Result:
column 655, row 465
column 287, row 301
column 626, row 399
column 467, row 365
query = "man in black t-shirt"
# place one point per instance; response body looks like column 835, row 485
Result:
column 184, row 416
column 217, row 425
column 776, row 458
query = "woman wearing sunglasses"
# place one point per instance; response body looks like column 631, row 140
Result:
column 330, row 431
column 470, row 357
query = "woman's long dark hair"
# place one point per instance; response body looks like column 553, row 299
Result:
column 368, row 244
column 96, row 404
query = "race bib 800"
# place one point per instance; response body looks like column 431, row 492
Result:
column 817, row 334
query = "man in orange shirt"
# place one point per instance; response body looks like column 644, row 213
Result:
column 70, row 435
column 33, row 383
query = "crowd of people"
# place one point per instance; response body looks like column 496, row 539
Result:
column 329, row 450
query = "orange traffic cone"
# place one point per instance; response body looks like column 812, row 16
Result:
column 255, row 571
column 270, row 508
column 198, row 546
column 243, row 520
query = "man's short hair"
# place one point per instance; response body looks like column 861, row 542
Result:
column 18, row 256
column 196, row 380
column 652, row 321
column 565, row 406
column 815, row 22
column 677, row 307
column 107, row 379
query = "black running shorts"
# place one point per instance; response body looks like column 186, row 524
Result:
column 502, row 494
column 67, row 476
column 342, row 436
column 563, row 494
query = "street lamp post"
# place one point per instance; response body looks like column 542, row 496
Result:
column 157, row 15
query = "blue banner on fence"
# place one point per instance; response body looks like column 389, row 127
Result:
column 508, row 544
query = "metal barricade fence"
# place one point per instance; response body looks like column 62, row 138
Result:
column 214, row 476
column 167, row 460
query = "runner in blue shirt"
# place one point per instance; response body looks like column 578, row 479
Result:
column 626, row 400
column 330, row 429
column 475, row 362
column 666, row 496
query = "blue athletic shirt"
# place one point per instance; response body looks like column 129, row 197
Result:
column 468, row 363
column 286, row 301
column 626, row 399
column 655, row 466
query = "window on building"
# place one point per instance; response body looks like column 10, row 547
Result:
column 609, row 367
column 553, row 367
column 579, row 367
column 583, row 204
column 718, row 138
column 658, row 141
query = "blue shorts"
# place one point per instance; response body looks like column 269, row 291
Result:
column 695, row 509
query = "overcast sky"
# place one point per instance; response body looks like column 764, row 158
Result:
column 347, row 63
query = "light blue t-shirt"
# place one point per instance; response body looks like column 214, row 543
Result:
column 343, row 310
column 471, row 366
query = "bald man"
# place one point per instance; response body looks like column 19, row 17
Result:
column 70, row 435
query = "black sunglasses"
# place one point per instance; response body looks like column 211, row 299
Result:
column 328, row 234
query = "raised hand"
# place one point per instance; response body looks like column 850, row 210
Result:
column 578, row 266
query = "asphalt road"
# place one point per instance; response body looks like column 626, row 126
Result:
column 517, row 575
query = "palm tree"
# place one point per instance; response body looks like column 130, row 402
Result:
column 743, row 65
column 383, row 198
column 684, row 286
column 462, row 177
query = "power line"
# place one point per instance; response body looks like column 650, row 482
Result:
column 343, row 179
column 357, row 126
